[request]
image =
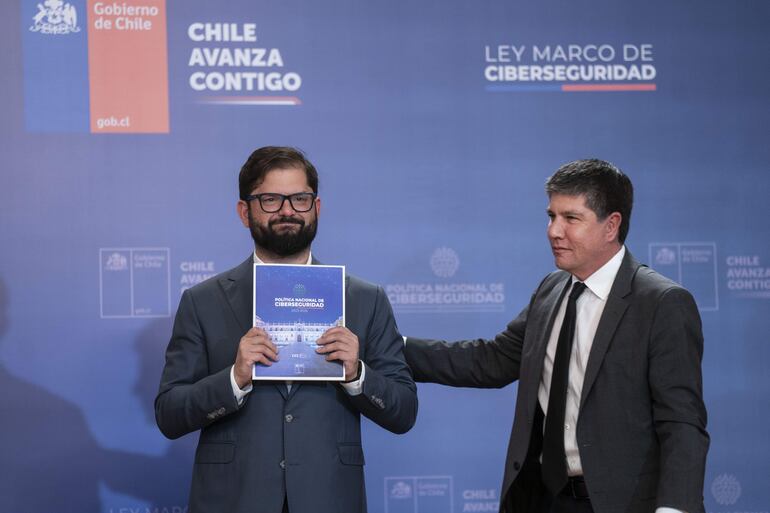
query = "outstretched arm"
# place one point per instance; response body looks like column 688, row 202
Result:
column 470, row 363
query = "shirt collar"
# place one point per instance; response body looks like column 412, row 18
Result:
column 600, row 282
column 257, row 260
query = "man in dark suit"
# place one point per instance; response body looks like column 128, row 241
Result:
column 268, row 447
column 609, row 413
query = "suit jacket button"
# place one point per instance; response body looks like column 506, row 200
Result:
column 289, row 417
column 282, row 464
column 516, row 465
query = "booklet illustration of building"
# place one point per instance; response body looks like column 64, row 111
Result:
column 295, row 305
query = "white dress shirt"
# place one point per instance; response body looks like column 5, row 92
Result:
column 352, row 388
column 589, row 308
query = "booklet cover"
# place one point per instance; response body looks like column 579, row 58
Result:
column 295, row 305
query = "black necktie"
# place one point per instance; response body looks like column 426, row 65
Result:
column 554, row 460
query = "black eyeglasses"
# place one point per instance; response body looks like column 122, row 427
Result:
column 273, row 202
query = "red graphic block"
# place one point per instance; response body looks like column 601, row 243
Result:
column 128, row 66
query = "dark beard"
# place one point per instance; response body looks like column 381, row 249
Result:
column 283, row 244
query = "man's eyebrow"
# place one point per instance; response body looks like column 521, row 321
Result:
column 575, row 213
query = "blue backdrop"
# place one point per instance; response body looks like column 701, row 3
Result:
column 434, row 126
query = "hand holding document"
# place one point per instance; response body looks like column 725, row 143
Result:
column 255, row 347
column 339, row 343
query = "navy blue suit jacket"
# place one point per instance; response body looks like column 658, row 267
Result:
column 304, row 445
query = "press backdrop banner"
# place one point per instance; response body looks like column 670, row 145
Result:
column 433, row 126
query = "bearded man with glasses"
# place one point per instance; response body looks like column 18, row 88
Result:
column 277, row 447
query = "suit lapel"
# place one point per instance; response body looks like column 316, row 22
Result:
column 238, row 288
column 617, row 303
column 545, row 317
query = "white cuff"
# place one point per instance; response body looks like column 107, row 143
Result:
column 239, row 393
column 668, row 510
column 356, row 387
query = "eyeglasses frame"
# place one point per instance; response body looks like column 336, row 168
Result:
column 283, row 197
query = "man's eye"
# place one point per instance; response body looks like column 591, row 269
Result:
column 269, row 199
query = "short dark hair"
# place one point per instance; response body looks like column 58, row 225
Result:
column 606, row 188
column 268, row 158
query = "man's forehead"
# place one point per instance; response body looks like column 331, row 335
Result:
column 564, row 202
column 288, row 175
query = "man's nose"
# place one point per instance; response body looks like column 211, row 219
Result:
column 555, row 230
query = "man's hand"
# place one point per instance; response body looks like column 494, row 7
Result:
column 339, row 343
column 255, row 347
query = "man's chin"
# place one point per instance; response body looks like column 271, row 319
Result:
column 285, row 244
column 561, row 263
column 283, row 239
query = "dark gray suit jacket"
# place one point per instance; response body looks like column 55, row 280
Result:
column 641, row 429
column 305, row 444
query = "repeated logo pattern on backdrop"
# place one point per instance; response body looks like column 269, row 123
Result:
column 443, row 293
